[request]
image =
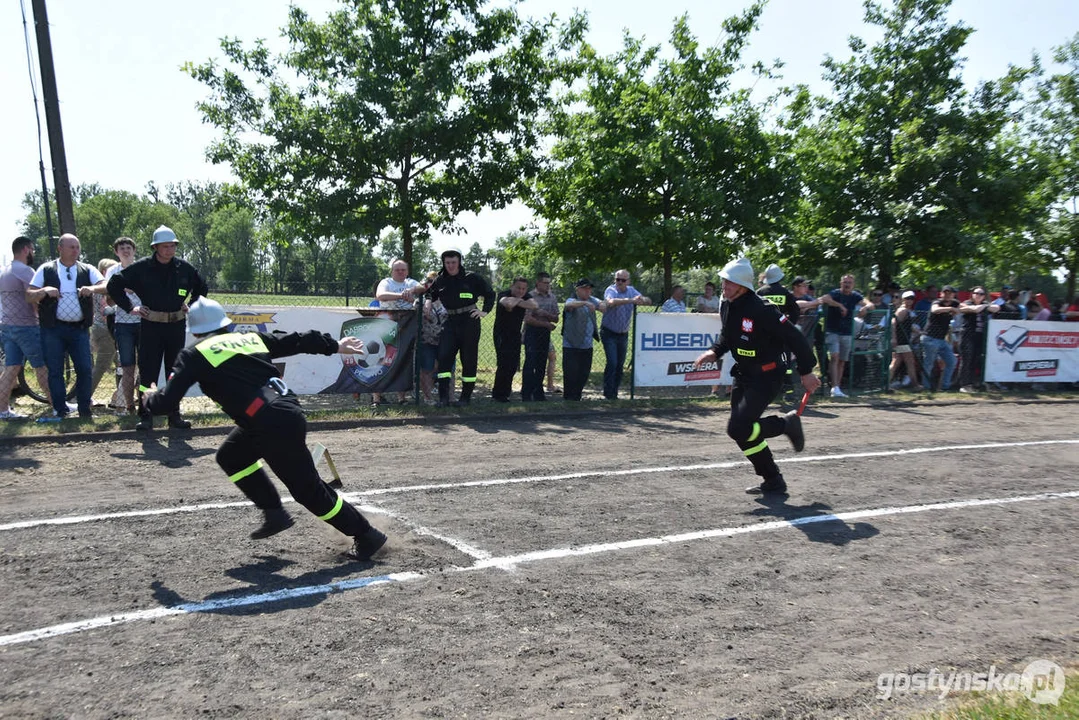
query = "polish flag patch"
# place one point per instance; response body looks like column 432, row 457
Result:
column 747, row 325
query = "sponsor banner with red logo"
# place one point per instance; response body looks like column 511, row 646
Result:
column 1029, row 351
column 666, row 344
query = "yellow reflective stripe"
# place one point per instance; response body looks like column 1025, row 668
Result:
column 445, row 375
column 757, row 448
column 219, row 348
column 181, row 292
column 336, row 509
column 467, row 296
column 143, row 389
column 779, row 300
column 237, row 477
column 467, row 379
column 747, row 353
column 755, row 434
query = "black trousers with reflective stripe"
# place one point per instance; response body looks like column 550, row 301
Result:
column 461, row 333
column 278, row 435
column 159, row 342
column 750, row 397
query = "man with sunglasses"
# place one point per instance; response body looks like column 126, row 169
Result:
column 620, row 298
column 62, row 290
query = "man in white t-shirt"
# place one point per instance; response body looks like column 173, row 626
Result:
column 397, row 292
column 19, row 333
column 62, row 290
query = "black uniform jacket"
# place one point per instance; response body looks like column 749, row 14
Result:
column 461, row 290
column 783, row 299
column 233, row 369
column 163, row 287
column 756, row 333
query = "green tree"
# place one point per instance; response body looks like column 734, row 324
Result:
column 661, row 163
column 902, row 166
column 232, row 230
column 424, row 257
column 392, row 113
column 1054, row 129
column 478, row 261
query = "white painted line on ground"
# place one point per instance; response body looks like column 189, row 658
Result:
column 357, row 497
column 199, row 607
column 508, row 562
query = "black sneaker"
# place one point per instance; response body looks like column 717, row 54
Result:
column 177, row 422
column 768, row 488
column 146, row 422
column 793, row 430
column 368, row 544
column 461, row 402
column 275, row 522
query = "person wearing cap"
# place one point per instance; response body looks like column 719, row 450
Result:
column 904, row 331
column 459, row 290
column 63, row 290
column 578, row 335
column 509, row 316
column 620, row 297
column 772, row 291
column 236, row 371
column 843, row 304
column 975, row 314
column 934, row 341
column 757, row 335
column 165, row 286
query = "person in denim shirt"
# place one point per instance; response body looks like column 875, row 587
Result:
column 614, row 332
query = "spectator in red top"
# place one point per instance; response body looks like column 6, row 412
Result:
column 1072, row 313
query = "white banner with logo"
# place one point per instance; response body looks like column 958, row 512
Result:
column 311, row 374
column 1030, row 351
column 666, row 344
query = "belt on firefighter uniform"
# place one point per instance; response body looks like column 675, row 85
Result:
column 462, row 311
column 273, row 389
column 744, row 369
column 165, row 317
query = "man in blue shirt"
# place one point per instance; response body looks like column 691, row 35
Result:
column 614, row 331
column 843, row 304
column 578, row 334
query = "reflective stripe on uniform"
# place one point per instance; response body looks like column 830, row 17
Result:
column 777, row 300
column 467, row 296
column 219, row 348
column 446, row 375
column 755, row 434
column 467, row 379
column 757, row 448
column 336, row 509
column 747, row 353
column 143, row 389
column 237, row 477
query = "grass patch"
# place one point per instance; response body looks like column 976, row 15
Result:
column 1012, row 706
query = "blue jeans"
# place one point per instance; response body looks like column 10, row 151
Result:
column 22, row 343
column 931, row 348
column 71, row 340
column 614, row 347
column 127, row 342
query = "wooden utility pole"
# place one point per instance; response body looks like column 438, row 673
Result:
column 52, row 121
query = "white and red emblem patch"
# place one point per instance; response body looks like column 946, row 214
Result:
column 747, row 325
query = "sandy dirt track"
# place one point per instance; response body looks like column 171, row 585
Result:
column 767, row 620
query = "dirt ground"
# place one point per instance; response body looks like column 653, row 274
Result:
column 562, row 594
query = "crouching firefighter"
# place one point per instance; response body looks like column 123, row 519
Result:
column 757, row 334
column 235, row 371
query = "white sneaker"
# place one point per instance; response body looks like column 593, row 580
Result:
column 836, row 392
column 906, row 380
column 11, row 415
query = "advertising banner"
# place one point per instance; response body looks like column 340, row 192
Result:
column 666, row 344
column 1030, row 351
column 390, row 337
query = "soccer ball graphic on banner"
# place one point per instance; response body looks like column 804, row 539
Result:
column 376, row 353
column 379, row 337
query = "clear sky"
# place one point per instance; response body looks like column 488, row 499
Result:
column 129, row 113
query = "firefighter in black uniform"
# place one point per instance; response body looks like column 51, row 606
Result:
column 757, row 334
column 459, row 290
column 783, row 299
column 166, row 285
column 234, row 370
